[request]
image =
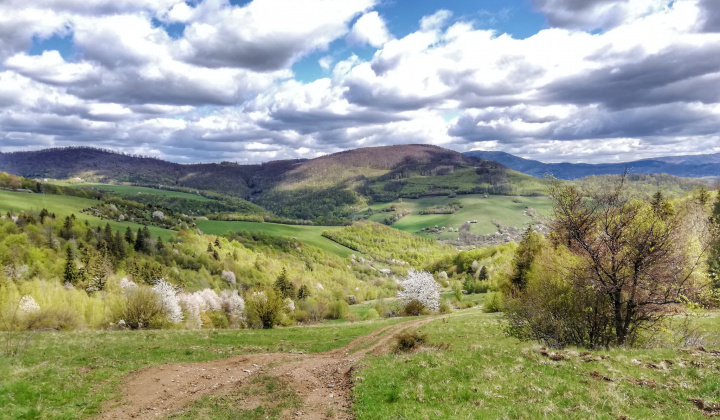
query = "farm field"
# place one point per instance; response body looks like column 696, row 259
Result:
column 311, row 235
column 64, row 206
column 475, row 207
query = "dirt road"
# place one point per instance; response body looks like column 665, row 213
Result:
column 323, row 381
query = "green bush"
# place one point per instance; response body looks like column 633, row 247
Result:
column 52, row 318
column 337, row 310
column 143, row 308
column 372, row 313
column 264, row 308
column 493, row 302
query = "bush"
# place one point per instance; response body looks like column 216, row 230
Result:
column 493, row 302
column 372, row 313
column 264, row 308
column 143, row 308
column 445, row 308
column 55, row 318
column 337, row 310
column 409, row 341
column 414, row 308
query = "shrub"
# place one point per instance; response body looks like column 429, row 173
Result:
column 493, row 302
column 409, row 341
column 264, row 308
column 337, row 310
column 143, row 307
column 55, row 318
column 372, row 313
column 414, row 308
column 445, row 308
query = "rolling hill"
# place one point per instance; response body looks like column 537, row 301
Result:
column 690, row 166
column 326, row 188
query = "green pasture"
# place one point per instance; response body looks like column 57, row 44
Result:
column 496, row 207
column 311, row 235
column 63, row 206
column 130, row 190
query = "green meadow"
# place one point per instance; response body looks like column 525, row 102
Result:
column 130, row 190
column 311, row 235
column 504, row 209
column 64, row 206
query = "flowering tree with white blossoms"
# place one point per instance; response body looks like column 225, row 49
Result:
column 170, row 303
column 420, row 286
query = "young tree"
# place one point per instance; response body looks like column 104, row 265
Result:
column 284, row 286
column 525, row 254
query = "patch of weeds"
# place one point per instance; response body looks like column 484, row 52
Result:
column 412, row 340
column 265, row 397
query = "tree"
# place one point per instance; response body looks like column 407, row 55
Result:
column 70, row 275
column 524, row 256
column 483, row 274
column 303, row 292
column 284, row 286
column 628, row 258
column 420, row 286
column 129, row 237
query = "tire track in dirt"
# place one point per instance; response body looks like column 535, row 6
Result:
column 323, row 381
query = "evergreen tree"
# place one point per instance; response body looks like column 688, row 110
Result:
column 483, row 274
column 303, row 292
column 71, row 274
column 139, row 241
column 129, row 237
column 284, row 286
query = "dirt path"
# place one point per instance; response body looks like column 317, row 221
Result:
column 323, row 381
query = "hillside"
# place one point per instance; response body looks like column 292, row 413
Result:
column 694, row 166
column 325, row 189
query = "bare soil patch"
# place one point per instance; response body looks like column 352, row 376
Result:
column 323, row 381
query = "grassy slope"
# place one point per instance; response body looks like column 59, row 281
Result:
column 129, row 190
column 64, row 206
column 311, row 235
column 488, row 375
column 69, row 374
column 484, row 210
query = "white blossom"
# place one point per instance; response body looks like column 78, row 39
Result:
column 28, row 305
column 169, row 299
column 127, row 285
column 319, row 286
column 229, row 277
column 157, row 214
column 290, row 304
column 232, row 303
column 211, row 300
column 192, row 303
column 420, row 286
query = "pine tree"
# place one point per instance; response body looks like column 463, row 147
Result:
column 129, row 237
column 284, row 287
column 525, row 254
column 303, row 292
column 71, row 274
column 483, row 274
column 139, row 241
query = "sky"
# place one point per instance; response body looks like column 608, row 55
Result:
column 252, row 81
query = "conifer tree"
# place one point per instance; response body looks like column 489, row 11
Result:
column 71, row 274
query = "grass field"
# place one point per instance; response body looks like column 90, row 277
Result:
column 129, row 191
column 311, row 235
column 68, row 374
column 486, row 374
column 63, row 206
column 475, row 207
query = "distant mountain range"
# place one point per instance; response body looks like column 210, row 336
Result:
column 691, row 166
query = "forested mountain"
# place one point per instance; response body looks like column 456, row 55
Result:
column 684, row 166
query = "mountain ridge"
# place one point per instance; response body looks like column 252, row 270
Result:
column 688, row 166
